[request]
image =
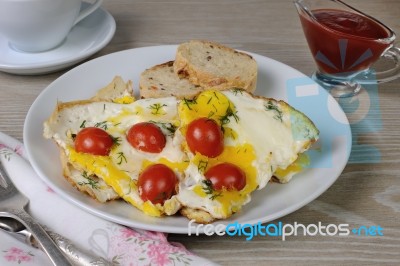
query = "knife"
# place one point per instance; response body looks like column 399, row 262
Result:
column 75, row 255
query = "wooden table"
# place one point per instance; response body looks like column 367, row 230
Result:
column 365, row 194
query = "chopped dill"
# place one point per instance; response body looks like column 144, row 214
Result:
column 121, row 157
column 102, row 125
column 83, row 125
column 171, row 128
column 189, row 102
column 210, row 114
column 90, row 181
column 237, row 90
column 209, row 190
column 202, row 166
column 272, row 107
column 156, row 107
column 226, row 118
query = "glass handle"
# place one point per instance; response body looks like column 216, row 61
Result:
column 392, row 54
column 388, row 75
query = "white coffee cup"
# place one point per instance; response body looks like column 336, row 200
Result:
column 40, row 25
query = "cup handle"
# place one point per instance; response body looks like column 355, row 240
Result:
column 393, row 54
column 87, row 11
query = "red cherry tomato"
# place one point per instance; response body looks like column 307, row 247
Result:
column 205, row 136
column 146, row 137
column 93, row 140
column 226, row 175
column 157, row 183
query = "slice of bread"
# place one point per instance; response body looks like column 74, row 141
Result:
column 212, row 65
column 161, row 81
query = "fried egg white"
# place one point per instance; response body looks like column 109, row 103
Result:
column 120, row 170
column 260, row 136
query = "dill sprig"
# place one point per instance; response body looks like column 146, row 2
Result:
column 209, row 190
column 202, row 166
column 90, row 181
column 121, row 157
column 102, row 125
column 189, row 102
column 171, row 128
column 272, row 107
column 83, row 125
column 237, row 90
column 225, row 119
column 156, row 107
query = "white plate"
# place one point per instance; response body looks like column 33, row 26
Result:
column 86, row 38
column 274, row 201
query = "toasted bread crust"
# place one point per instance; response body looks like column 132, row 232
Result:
column 200, row 216
column 226, row 68
column 161, row 81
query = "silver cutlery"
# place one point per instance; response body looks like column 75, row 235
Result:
column 75, row 255
column 12, row 204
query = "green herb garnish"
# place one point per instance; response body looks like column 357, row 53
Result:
column 121, row 157
column 272, row 107
column 202, row 166
column 90, row 181
column 83, row 124
column 189, row 102
column 171, row 128
column 237, row 90
column 102, row 125
column 209, row 190
column 226, row 118
column 156, row 107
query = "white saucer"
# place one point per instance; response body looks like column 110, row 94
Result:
column 86, row 38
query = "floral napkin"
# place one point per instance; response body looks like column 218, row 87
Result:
column 118, row 244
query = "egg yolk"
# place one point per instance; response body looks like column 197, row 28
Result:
column 120, row 181
column 124, row 100
column 211, row 104
column 215, row 105
column 179, row 166
column 230, row 201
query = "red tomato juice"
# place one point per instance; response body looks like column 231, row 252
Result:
column 342, row 41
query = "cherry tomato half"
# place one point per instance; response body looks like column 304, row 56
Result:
column 205, row 136
column 146, row 137
column 226, row 175
column 157, row 183
column 93, row 140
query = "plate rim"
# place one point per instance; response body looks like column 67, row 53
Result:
column 167, row 229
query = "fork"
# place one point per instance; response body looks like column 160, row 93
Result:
column 12, row 205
